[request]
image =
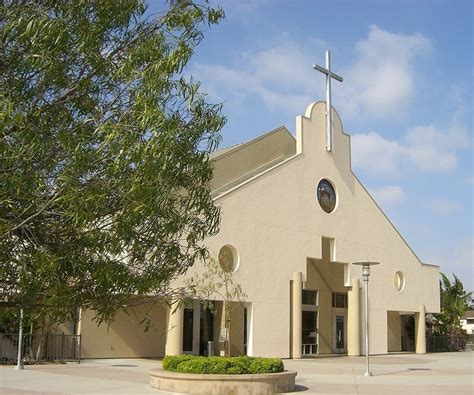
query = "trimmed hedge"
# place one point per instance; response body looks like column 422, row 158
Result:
column 221, row 365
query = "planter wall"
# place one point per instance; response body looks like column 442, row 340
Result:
column 223, row 384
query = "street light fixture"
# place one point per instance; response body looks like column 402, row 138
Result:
column 366, row 273
column 19, row 362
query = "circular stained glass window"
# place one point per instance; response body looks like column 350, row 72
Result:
column 399, row 281
column 326, row 196
column 228, row 258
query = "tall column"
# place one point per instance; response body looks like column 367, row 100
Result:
column 420, row 330
column 353, row 319
column 174, row 339
column 297, row 315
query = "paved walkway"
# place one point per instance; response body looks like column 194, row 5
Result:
column 444, row 373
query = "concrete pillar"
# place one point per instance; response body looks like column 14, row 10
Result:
column 353, row 319
column 297, row 315
column 420, row 331
column 174, row 339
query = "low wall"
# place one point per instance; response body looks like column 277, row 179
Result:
column 222, row 384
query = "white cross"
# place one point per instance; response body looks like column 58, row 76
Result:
column 329, row 75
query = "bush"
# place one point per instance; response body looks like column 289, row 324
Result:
column 266, row 365
column 172, row 362
column 220, row 365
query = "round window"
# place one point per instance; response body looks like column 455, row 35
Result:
column 399, row 281
column 326, row 196
column 228, row 258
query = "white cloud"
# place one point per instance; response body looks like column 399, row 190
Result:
column 431, row 150
column 425, row 148
column 280, row 76
column 457, row 259
column 391, row 195
column 443, row 206
column 381, row 81
column 374, row 153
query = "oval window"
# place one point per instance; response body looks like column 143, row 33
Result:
column 228, row 258
column 399, row 281
column 326, row 196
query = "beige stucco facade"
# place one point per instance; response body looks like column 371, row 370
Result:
column 271, row 215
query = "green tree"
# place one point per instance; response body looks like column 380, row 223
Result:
column 216, row 283
column 104, row 184
column 454, row 302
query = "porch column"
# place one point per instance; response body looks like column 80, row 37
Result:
column 297, row 315
column 174, row 338
column 420, row 331
column 353, row 319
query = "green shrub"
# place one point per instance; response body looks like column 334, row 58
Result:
column 220, row 365
column 172, row 362
column 266, row 365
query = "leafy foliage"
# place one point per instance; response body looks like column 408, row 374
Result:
column 222, row 365
column 454, row 302
column 104, row 152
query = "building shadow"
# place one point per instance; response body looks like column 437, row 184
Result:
column 300, row 388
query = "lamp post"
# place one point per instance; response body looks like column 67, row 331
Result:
column 365, row 274
column 19, row 361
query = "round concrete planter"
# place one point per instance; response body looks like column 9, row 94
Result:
column 221, row 384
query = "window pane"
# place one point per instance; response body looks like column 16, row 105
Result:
column 339, row 300
column 309, row 327
column 309, row 297
column 188, row 330
column 326, row 196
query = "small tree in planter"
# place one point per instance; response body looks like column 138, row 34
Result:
column 214, row 283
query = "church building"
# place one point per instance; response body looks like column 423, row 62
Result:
column 294, row 221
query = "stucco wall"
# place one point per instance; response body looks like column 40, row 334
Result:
column 125, row 337
column 394, row 334
column 276, row 223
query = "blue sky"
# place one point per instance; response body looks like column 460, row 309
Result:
column 406, row 100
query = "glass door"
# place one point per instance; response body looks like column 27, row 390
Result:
column 339, row 335
column 206, row 329
column 188, row 330
column 309, row 324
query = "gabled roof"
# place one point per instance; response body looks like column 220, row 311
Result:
column 214, row 155
column 238, row 163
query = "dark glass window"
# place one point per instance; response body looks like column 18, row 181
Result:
column 326, row 196
column 188, row 330
column 309, row 297
column 339, row 300
column 309, row 327
column 245, row 330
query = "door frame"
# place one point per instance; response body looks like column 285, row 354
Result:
column 339, row 312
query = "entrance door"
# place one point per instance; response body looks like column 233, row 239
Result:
column 206, row 329
column 339, row 342
column 339, row 335
column 309, row 325
column 188, row 330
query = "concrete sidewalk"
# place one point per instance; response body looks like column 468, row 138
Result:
column 444, row 373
